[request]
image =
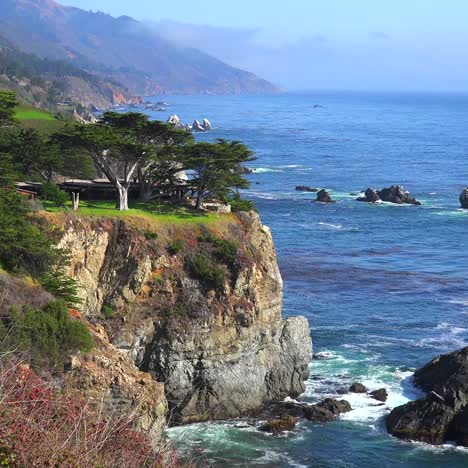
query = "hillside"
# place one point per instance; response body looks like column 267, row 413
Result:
column 57, row 85
column 121, row 48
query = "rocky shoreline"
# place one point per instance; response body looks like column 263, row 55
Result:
column 442, row 415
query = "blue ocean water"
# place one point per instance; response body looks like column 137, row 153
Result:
column 385, row 288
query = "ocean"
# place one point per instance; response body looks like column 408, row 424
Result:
column 384, row 287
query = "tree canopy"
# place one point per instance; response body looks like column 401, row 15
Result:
column 214, row 167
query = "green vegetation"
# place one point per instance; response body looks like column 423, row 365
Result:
column 239, row 204
column 225, row 250
column 47, row 334
column 24, row 248
column 209, row 273
column 162, row 213
column 37, row 119
column 54, row 194
column 215, row 167
column 107, row 311
column 176, row 246
column 32, row 113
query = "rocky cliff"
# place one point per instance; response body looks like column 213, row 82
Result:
column 198, row 306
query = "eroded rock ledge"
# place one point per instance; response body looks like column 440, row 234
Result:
column 220, row 352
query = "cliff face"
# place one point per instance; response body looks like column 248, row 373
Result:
column 221, row 351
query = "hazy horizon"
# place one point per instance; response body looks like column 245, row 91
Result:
column 316, row 45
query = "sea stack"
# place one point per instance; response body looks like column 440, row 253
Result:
column 464, row 198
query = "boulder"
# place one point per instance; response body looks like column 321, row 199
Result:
column 277, row 426
column 335, row 406
column 357, row 387
column 318, row 414
column 380, row 395
column 464, row 198
column 396, row 194
column 324, row 197
column 243, row 170
column 442, row 415
column 370, row 196
column 306, row 188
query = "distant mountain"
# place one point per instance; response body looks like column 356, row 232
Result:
column 56, row 85
column 121, row 48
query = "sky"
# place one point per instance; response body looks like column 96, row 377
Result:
column 395, row 45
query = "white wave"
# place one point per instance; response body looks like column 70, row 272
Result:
column 462, row 302
column 451, row 327
column 331, row 226
column 325, row 355
column 262, row 170
column 366, row 408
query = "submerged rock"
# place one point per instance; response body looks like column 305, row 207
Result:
column 442, row 415
column 464, row 198
column 324, row 197
column 306, row 188
column 277, row 426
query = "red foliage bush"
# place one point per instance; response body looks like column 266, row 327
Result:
column 41, row 425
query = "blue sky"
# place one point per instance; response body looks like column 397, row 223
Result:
column 320, row 44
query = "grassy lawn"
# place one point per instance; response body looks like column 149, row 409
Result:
column 32, row 113
column 162, row 213
column 43, row 121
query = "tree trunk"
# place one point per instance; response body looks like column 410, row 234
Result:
column 76, row 200
column 122, row 202
column 199, row 203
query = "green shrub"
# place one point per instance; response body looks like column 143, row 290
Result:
column 24, row 248
column 212, row 275
column 225, row 250
column 176, row 246
column 150, row 235
column 240, row 204
column 47, row 334
column 54, row 194
column 107, row 311
column 58, row 283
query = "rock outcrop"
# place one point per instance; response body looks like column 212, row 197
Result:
column 357, row 387
column 306, row 188
column 381, row 394
column 442, row 415
column 221, row 352
column 197, row 126
column 394, row 194
column 324, row 197
column 464, row 198
column 110, row 378
column 327, row 410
